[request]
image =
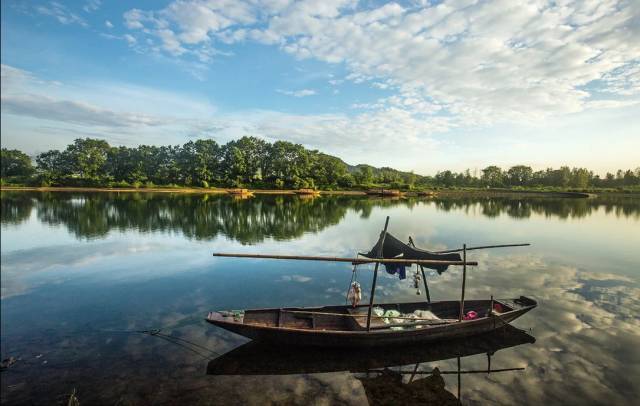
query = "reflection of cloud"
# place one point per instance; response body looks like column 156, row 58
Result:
column 295, row 278
column 21, row 268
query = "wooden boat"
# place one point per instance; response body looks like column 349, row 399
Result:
column 345, row 326
column 307, row 192
column 427, row 193
column 392, row 324
column 384, row 192
column 240, row 191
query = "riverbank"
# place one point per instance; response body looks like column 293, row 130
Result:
column 172, row 190
column 429, row 193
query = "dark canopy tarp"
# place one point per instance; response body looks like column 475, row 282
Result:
column 394, row 248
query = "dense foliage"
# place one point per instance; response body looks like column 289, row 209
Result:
column 255, row 163
column 14, row 163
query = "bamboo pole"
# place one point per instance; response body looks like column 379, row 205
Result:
column 483, row 247
column 464, row 280
column 341, row 259
column 375, row 272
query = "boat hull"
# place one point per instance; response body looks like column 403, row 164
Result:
column 364, row 338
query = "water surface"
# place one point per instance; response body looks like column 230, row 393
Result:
column 82, row 273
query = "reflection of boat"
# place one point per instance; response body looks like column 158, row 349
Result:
column 389, row 324
column 347, row 326
column 427, row 193
column 388, row 388
column 240, row 192
column 256, row 358
column 242, row 196
column 384, row 192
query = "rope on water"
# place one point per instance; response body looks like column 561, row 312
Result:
column 157, row 332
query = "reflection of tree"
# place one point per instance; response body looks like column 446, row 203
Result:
column 523, row 207
column 93, row 215
column 15, row 207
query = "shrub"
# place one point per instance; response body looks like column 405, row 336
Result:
column 120, row 184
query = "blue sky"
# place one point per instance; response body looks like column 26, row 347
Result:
column 416, row 85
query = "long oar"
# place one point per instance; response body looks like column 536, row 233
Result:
column 350, row 260
column 483, row 247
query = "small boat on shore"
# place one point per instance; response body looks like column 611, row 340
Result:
column 427, row 193
column 307, row 192
column 383, row 324
column 384, row 192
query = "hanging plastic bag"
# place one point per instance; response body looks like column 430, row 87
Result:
column 355, row 294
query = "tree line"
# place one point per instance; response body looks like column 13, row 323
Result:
column 255, row 163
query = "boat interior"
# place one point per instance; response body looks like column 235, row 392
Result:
column 347, row 318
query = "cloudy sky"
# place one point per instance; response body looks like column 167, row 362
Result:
column 417, row 85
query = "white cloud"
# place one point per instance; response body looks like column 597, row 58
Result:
column 130, row 39
column 297, row 93
column 481, row 62
column 61, row 13
column 92, row 5
column 108, row 24
column 47, row 108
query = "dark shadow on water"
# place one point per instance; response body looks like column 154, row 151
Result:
column 375, row 368
column 255, row 358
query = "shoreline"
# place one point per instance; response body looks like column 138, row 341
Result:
column 433, row 193
column 186, row 190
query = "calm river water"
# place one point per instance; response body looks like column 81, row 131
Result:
column 82, row 273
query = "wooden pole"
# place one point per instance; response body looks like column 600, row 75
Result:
column 341, row 259
column 375, row 273
column 491, row 313
column 483, row 247
column 414, row 372
column 459, row 381
column 464, row 280
column 426, row 287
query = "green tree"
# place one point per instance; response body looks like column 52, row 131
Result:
column 15, row 163
column 254, row 151
column 288, row 162
column 581, row 178
column 364, row 176
column 87, row 157
column 519, row 175
column 493, row 176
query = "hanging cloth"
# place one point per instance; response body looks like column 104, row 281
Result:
column 399, row 269
column 394, row 248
